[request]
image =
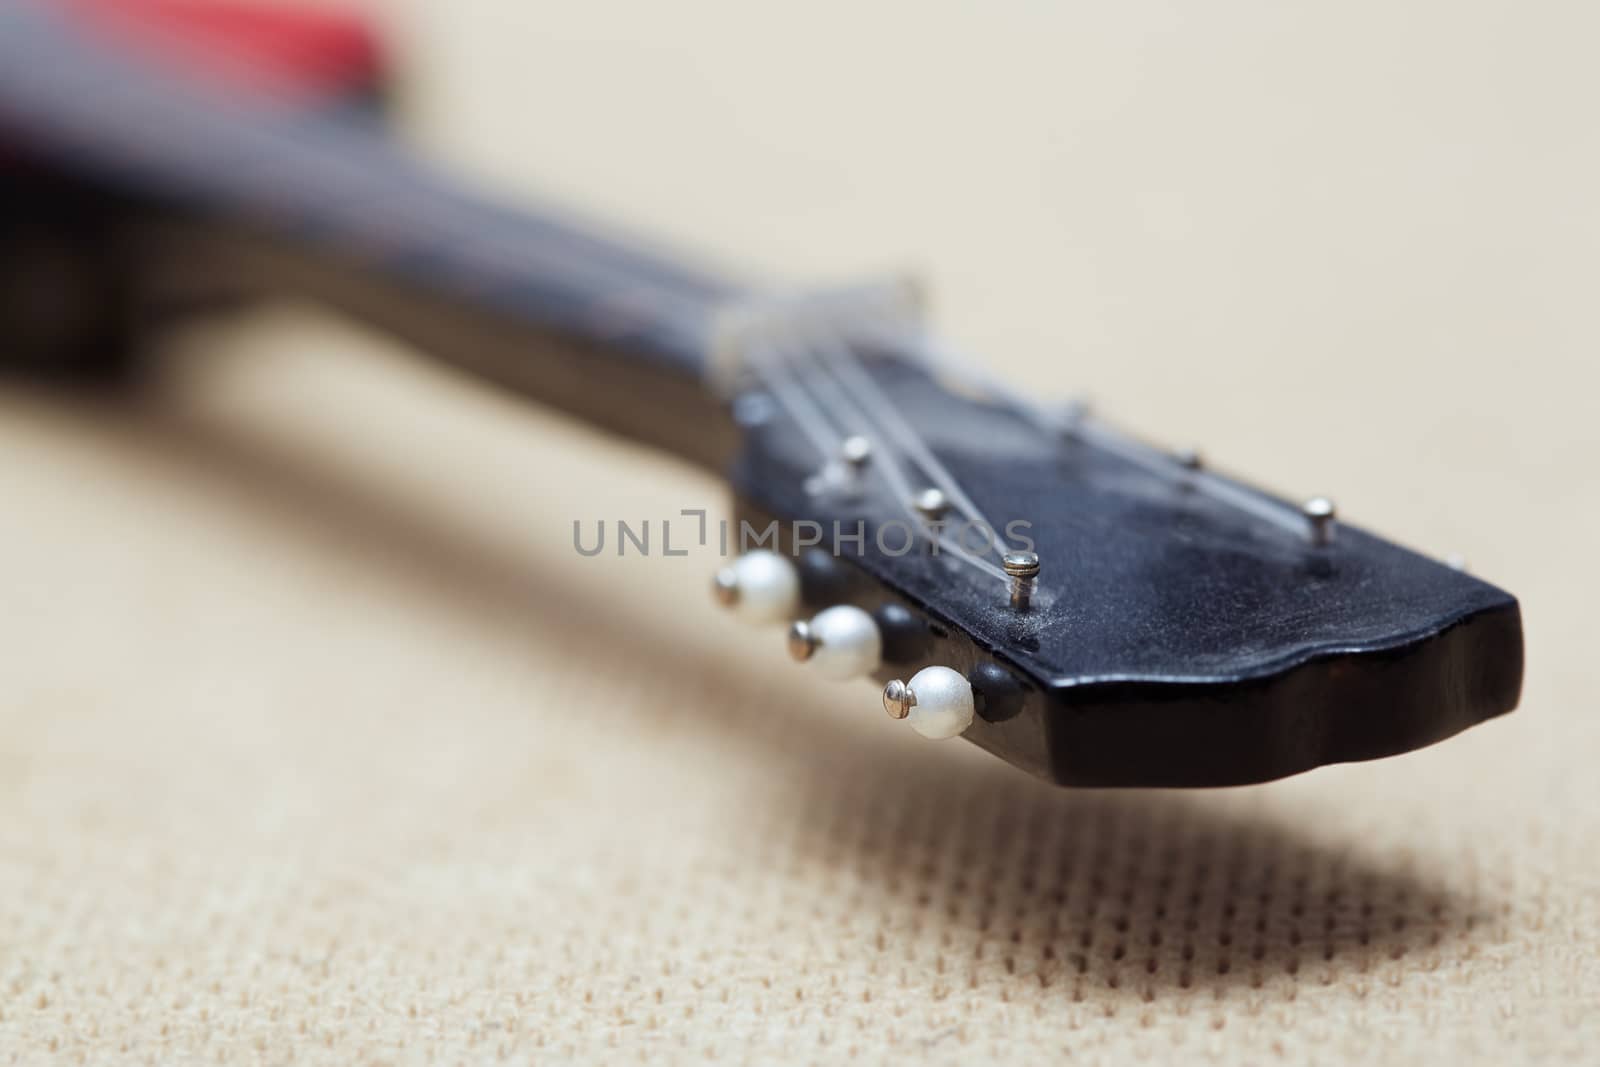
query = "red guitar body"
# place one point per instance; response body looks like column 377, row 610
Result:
column 68, row 303
column 305, row 56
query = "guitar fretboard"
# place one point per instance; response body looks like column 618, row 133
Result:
column 333, row 181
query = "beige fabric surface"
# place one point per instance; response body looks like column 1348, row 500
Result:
column 319, row 744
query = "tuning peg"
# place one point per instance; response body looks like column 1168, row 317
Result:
column 1321, row 520
column 1022, row 569
column 937, row 700
column 931, row 504
column 856, row 450
column 842, row 641
column 760, row 586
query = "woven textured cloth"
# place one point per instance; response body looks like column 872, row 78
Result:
column 320, row 744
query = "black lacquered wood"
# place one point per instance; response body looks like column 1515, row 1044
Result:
column 1175, row 638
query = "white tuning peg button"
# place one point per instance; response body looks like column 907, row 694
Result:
column 937, row 700
column 759, row 586
column 843, row 642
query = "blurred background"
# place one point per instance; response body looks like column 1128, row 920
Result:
column 317, row 741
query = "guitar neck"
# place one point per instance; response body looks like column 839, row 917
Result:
column 262, row 194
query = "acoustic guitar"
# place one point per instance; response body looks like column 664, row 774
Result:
column 1095, row 610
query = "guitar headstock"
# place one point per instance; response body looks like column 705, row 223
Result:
column 1091, row 609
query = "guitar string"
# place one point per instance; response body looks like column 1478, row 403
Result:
column 685, row 314
column 845, row 362
column 937, row 356
column 1281, row 515
column 884, row 456
column 776, row 374
column 902, row 485
column 274, row 168
column 901, row 491
column 387, row 212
